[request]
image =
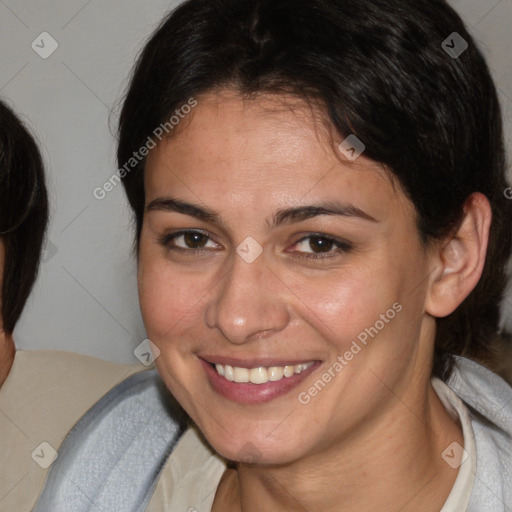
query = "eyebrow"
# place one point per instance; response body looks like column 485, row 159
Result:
column 281, row 217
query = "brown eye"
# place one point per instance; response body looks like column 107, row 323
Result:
column 194, row 240
column 320, row 247
column 319, row 244
column 186, row 241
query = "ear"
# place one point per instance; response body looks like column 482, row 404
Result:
column 458, row 261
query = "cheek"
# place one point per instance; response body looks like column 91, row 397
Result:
column 341, row 304
column 168, row 299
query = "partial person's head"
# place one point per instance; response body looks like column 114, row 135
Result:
column 23, row 216
column 252, row 108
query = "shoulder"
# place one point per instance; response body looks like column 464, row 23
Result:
column 489, row 401
column 52, row 365
column 63, row 382
column 44, row 395
column 488, row 396
column 114, row 454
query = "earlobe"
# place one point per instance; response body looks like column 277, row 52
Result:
column 460, row 259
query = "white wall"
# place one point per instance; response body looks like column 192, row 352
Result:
column 85, row 299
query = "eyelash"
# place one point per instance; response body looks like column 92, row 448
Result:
column 342, row 246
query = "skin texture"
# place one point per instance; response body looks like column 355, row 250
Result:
column 7, row 349
column 372, row 438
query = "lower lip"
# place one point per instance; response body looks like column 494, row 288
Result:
column 248, row 393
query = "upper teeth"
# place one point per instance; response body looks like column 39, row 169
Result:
column 259, row 375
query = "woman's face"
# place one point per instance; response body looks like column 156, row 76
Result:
column 237, row 268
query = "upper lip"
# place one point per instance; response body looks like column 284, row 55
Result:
column 255, row 362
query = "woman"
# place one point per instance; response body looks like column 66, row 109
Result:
column 321, row 239
column 42, row 393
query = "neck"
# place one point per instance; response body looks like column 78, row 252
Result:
column 7, row 351
column 393, row 464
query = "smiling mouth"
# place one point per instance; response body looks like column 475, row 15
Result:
column 261, row 374
column 255, row 381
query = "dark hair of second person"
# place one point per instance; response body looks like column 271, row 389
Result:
column 23, row 213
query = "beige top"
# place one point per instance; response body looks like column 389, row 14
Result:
column 192, row 473
column 190, row 477
column 44, row 395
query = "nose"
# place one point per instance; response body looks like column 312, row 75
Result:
column 249, row 303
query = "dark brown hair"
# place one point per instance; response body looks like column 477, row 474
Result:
column 23, row 213
column 383, row 71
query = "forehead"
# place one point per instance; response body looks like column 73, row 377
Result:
column 262, row 149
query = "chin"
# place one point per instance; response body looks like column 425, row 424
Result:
column 258, row 448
